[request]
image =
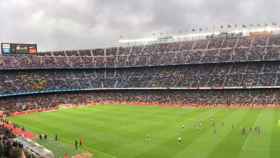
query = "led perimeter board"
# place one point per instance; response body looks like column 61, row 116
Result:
column 16, row 48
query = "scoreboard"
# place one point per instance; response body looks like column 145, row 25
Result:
column 15, row 48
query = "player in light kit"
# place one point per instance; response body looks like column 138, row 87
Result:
column 180, row 140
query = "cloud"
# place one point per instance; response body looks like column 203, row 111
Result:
column 78, row 24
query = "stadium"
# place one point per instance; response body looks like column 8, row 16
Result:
column 195, row 96
column 139, row 79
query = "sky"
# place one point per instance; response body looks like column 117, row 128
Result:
column 84, row 24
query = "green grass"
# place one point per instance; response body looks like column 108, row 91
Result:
column 121, row 131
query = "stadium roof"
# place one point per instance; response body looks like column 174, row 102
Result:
column 199, row 35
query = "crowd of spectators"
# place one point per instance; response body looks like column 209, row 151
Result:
column 217, row 50
column 8, row 147
column 213, row 76
column 13, row 143
column 238, row 65
column 256, row 97
column 18, row 104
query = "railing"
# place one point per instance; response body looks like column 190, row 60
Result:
column 145, row 88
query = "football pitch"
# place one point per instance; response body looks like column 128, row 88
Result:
column 119, row 131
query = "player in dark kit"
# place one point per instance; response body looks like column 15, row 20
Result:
column 76, row 144
column 243, row 132
column 56, row 137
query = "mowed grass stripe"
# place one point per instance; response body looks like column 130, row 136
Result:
column 147, row 127
column 258, row 146
column 170, row 146
column 116, row 121
column 208, row 141
column 275, row 135
column 154, row 114
column 126, row 110
column 165, row 139
column 231, row 143
column 135, row 115
column 139, row 130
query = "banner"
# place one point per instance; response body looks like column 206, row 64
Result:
column 15, row 48
column 260, row 34
column 6, row 48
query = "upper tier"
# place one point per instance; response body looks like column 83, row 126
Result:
column 220, row 50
